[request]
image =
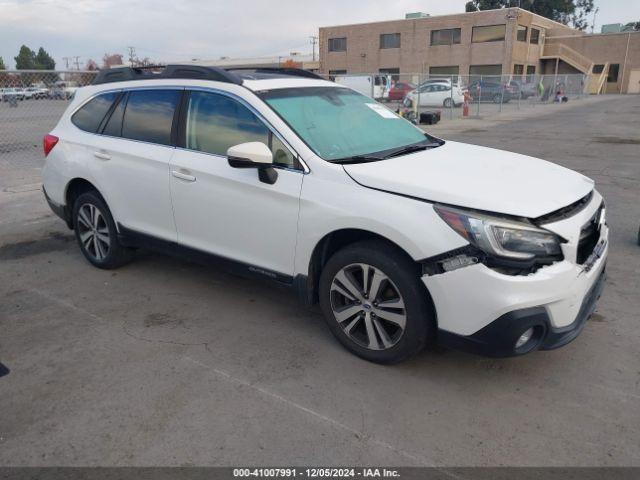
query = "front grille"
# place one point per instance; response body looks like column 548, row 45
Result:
column 589, row 236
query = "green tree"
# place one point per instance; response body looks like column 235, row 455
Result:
column 44, row 61
column 570, row 12
column 631, row 27
column 2, row 67
column 26, row 59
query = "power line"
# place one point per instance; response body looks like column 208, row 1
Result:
column 314, row 42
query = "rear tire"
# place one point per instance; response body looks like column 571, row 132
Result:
column 96, row 232
column 386, row 318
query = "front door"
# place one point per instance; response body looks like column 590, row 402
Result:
column 229, row 211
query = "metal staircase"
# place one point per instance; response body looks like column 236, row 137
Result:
column 596, row 81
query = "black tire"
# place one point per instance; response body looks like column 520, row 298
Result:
column 114, row 255
column 497, row 98
column 403, row 274
column 448, row 103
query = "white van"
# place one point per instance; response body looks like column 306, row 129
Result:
column 374, row 86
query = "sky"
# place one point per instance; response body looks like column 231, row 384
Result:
column 174, row 30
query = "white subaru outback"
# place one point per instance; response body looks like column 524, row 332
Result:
column 404, row 239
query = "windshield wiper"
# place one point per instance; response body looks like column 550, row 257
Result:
column 358, row 159
column 415, row 147
column 410, row 149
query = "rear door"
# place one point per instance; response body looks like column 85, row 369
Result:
column 130, row 160
column 229, row 211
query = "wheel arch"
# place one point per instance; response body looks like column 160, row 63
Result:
column 76, row 187
column 330, row 244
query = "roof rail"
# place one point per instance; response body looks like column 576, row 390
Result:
column 124, row 74
column 295, row 72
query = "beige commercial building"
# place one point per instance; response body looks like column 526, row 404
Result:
column 492, row 42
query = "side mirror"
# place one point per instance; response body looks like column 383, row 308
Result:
column 254, row 155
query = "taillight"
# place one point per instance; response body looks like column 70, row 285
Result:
column 48, row 143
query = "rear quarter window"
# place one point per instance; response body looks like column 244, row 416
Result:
column 148, row 115
column 91, row 114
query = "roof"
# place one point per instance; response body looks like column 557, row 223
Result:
column 437, row 18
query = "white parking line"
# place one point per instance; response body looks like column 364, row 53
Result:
column 422, row 461
column 279, row 398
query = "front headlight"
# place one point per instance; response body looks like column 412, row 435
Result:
column 512, row 239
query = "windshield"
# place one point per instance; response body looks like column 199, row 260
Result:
column 339, row 124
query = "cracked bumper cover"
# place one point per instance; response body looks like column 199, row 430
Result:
column 482, row 311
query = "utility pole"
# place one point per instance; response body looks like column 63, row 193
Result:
column 593, row 24
column 314, row 42
column 66, row 61
column 132, row 56
column 77, row 61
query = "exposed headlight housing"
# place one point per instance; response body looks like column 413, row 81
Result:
column 515, row 240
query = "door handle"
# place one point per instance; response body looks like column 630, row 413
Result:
column 102, row 156
column 183, row 176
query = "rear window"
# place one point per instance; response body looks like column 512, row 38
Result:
column 149, row 115
column 90, row 116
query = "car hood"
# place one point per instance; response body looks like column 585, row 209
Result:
column 476, row 177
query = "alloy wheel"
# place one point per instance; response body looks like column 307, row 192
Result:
column 368, row 306
column 93, row 231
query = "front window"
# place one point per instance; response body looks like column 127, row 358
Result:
column 216, row 122
column 339, row 124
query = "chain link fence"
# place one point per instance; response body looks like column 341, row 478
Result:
column 457, row 96
column 31, row 103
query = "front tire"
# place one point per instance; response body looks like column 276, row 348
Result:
column 96, row 232
column 448, row 103
column 374, row 303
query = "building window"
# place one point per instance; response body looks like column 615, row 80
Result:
column 448, row 36
column 390, row 40
column 598, row 68
column 488, row 33
column 531, row 69
column 445, row 71
column 394, row 72
column 477, row 71
column 521, row 34
column 614, row 68
column 518, row 69
column 535, row 36
column 337, row 72
column 338, row 44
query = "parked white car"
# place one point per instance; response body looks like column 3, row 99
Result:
column 35, row 93
column 436, row 94
column 403, row 238
column 7, row 94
